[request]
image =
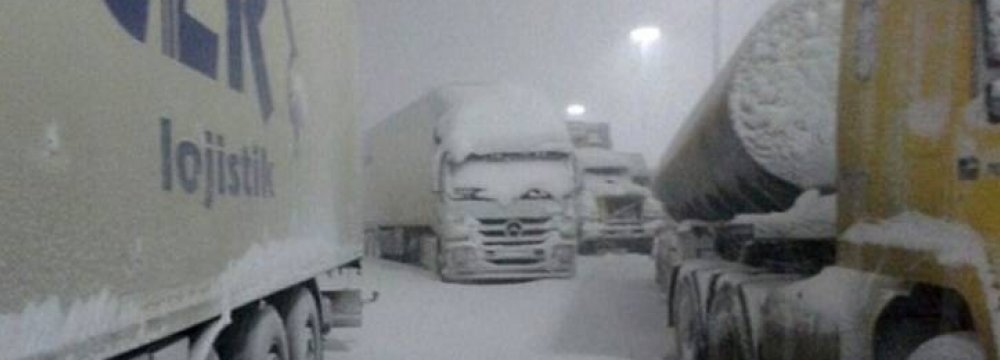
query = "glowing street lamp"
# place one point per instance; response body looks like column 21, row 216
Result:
column 644, row 36
column 576, row 110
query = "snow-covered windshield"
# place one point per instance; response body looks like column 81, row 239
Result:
column 506, row 177
column 606, row 171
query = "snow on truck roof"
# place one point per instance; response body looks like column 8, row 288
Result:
column 485, row 119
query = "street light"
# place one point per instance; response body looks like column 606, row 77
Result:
column 576, row 110
column 644, row 35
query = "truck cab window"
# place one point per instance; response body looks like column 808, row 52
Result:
column 989, row 63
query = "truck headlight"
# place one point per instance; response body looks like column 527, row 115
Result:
column 457, row 227
column 462, row 256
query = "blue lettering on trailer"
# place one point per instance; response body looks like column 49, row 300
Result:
column 193, row 44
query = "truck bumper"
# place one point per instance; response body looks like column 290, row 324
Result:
column 468, row 261
column 639, row 244
column 634, row 237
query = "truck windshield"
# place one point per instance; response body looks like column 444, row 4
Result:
column 507, row 177
column 606, row 171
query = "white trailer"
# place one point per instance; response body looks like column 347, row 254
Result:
column 176, row 177
column 475, row 181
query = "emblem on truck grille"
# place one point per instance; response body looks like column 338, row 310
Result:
column 514, row 230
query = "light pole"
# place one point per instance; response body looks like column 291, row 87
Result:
column 716, row 36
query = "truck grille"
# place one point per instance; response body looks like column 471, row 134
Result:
column 623, row 208
column 515, row 229
column 515, row 261
column 513, row 243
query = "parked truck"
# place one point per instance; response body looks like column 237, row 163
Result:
column 479, row 179
column 177, row 178
column 910, row 273
column 615, row 212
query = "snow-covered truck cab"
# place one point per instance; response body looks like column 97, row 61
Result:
column 614, row 211
column 506, row 178
column 919, row 168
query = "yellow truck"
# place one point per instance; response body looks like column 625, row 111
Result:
column 919, row 195
column 177, row 178
column 918, row 208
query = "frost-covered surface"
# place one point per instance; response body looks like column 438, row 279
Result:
column 603, row 158
column 509, row 180
column 928, row 118
column 841, row 295
column 485, row 119
column 53, row 323
column 266, row 266
column 595, row 185
column 954, row 346
column 953, row 244
column 783, row 94
column 610, row 310
column 812, row 216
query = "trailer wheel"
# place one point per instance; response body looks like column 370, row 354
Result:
column 690, row 332
column 729, row 332
column 256, row 336
column 303, row 327
column 953, row 346
column 440, row 262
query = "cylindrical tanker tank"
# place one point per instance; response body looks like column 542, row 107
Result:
column 764, row 131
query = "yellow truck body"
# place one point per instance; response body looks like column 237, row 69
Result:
column 919, row 188
column 911, row 116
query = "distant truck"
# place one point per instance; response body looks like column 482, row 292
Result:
column 477, row 182
column 615, row 212
column 589, row 134
column 178, row 181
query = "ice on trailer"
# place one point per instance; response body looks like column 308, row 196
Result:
column 784, row 88
column 813, row 216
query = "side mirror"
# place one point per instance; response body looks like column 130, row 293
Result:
column 993, row 102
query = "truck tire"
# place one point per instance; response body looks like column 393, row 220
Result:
column 690, row 331
column 953, row 346
column 429, row 254
column 439, row 261
column 256, row 336
column 729, row 331
column 303, row 327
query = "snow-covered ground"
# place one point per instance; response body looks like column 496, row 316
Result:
column 610, row 310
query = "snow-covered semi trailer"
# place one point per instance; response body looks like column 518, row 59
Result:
column 614, row 211
column 176, row 177
column 761, row 141
column 913, row 276
column 480, row 179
